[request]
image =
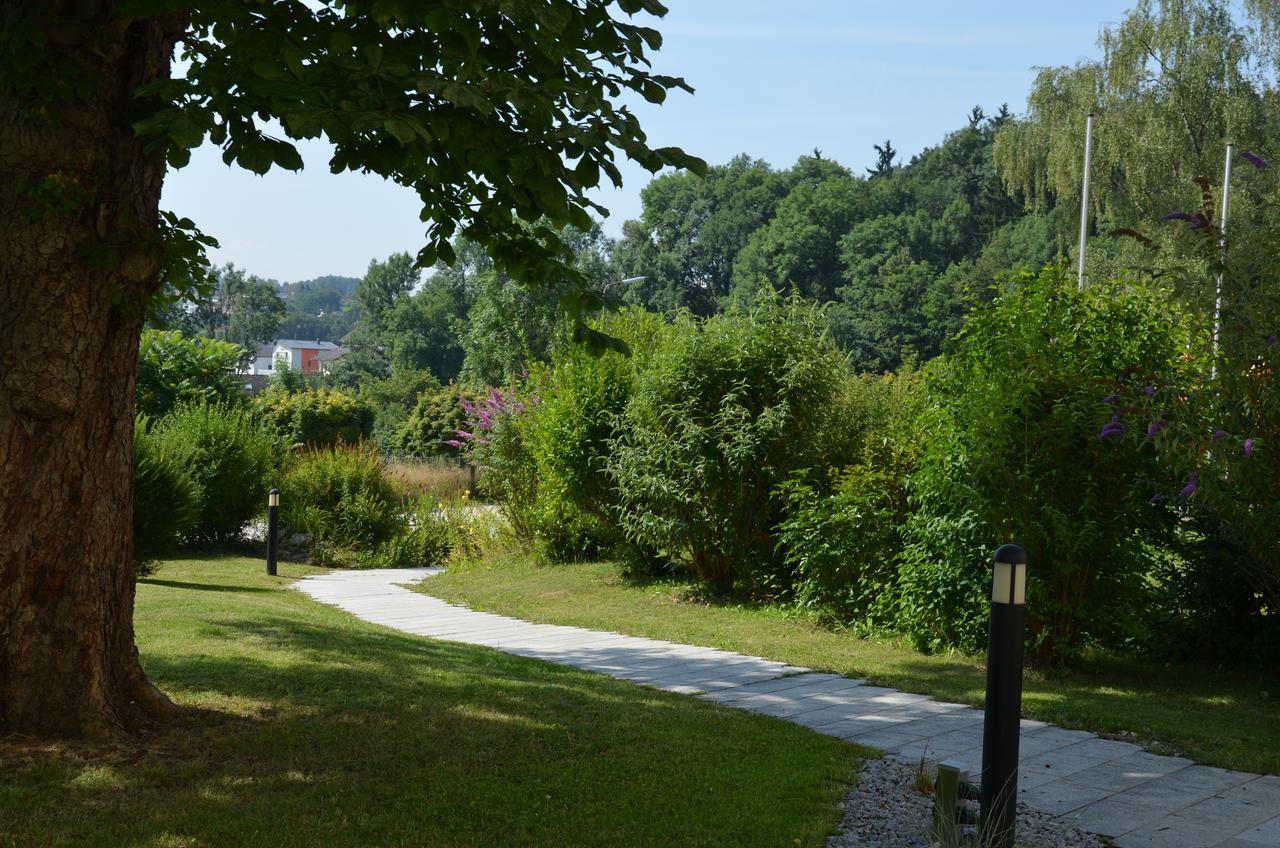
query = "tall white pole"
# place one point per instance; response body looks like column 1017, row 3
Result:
column 1084, row 198
column 1222, row 243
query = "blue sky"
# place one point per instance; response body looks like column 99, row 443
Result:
column 774, row 80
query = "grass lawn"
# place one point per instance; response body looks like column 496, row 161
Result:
column 1225, row 718
column 310, row 728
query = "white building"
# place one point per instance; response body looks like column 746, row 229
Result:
column 303, row 356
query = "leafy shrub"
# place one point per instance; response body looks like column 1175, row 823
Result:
column 392, row 399
column 317, row 417
column 569, row 433
column 229, row 455
column 722, row 413
column 434, row 420
column 343, row 499
column 166, row 501
column 1015, row 455
column 173, row 369
column 434, row 535
column 841, row 548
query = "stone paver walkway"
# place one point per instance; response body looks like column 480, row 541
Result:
column 1100, row 785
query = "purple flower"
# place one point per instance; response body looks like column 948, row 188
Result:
column 463, row 434
column 1111, row 399
column 1156, row 426
column 1255, row 160
column 485, row 420
column 1248, row 448
column 1157, row 498
column 519, row 408
column 1271, row 340
column 453, row 443
column 1190, row 489
column 1195, row 222
column 468, row 407
column 1149, row 391
column 1112, row 430
column 495, row 398
column 1219, row 435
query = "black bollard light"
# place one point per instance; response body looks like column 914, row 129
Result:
column 273, row 518
column 999, row 795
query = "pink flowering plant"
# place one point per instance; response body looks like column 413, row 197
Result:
column 493, row 440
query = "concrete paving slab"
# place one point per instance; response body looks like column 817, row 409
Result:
column 1267, row 833
column 1115, row 775
column 1113, row 817
column 1186, row 786
column 1165, row 835
column 1059, row 798
column 1232, row 811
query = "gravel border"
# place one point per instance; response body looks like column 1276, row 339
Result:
column 885, row 810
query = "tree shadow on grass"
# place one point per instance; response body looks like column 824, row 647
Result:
column 204, row 587
column 309, row 733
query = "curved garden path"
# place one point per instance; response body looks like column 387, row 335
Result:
column 1100, row 785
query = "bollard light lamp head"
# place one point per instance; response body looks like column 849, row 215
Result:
column 273, row 497
column 1009, row 582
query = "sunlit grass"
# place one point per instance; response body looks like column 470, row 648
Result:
column 307, row 727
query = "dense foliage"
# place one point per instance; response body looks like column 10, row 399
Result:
column 433, row 422
column 1014, row 455
column 723, row 412
column 166, row 500
column 317, row 417
column 841, row 541
column 343, row 499
column 229, row 455
column 173, row 368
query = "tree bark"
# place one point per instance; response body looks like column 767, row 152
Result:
column 78, row 262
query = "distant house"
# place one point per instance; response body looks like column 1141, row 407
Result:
column 264, row 360
column 304, row 356
column 307, row 356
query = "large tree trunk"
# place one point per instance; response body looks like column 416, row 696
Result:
column 74, row 184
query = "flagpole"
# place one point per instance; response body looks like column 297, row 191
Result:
column 1222, row 243
column 1084, row 198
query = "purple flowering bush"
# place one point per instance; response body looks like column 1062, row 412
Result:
column 1215, row 427
column 1016, row 454
column 493, row 439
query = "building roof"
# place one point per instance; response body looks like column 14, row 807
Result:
column 309, row 344
column 329, row 355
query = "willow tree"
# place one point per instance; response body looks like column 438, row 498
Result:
column 499, row 114
column 1176, row 80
